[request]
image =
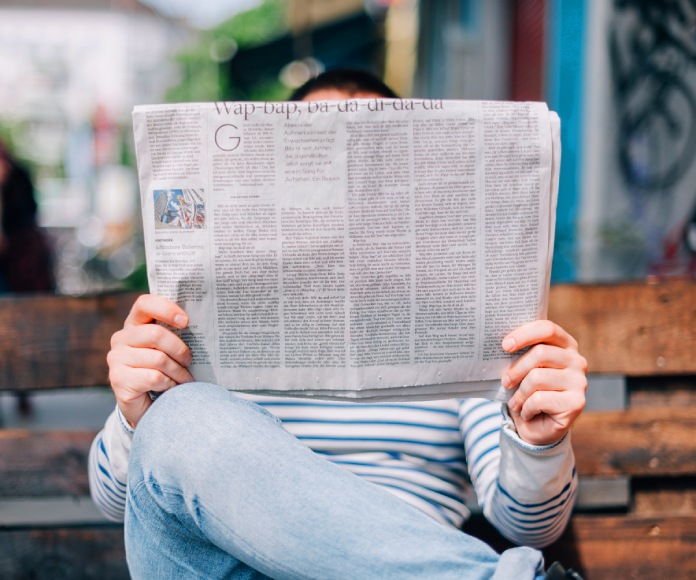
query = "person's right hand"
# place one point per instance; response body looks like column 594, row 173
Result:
column 146, row 356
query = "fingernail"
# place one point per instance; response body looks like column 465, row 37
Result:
column 512, row 404
column 180, row 320
column 506, row 381
column 509, row 343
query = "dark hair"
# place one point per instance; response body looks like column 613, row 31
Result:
column 351, row 81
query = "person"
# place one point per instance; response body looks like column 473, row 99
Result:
column 26, row 260
column 213, row 484
column 26, row 263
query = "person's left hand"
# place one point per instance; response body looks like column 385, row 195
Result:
column 551, row 380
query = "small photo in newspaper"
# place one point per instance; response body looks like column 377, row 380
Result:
column 179, row 208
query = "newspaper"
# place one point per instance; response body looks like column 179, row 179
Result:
column 370, row 249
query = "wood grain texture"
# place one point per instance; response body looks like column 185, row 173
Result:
column 58, row 341
column 643, row 441
column 36, row 464
column 616, row 547
column 93, row 553
column 628, row 547
column 662, row 391
column 636, row 329
column 668, row 496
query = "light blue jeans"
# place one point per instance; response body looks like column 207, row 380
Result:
column 218, row 489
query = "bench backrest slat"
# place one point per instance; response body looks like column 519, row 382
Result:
column 42, row 464
column 634, row 329
column 656, row 441
column 58, row 341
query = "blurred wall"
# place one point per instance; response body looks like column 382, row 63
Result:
column 639, row 169
column 622, row 76
column 464, row 49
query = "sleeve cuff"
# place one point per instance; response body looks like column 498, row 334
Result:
column 124, row 422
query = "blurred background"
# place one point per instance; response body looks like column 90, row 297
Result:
column 620, row 74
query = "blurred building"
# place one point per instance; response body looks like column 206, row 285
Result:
column 70, row 73
column 622, row 76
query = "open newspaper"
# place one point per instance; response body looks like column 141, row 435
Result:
column 360, row 249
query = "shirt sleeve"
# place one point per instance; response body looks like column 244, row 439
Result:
column 526, row 491
column 108, row 466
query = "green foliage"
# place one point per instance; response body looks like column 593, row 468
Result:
column 137, row 280
column 203, row 75
column 269, row 91
column 6, row 134
column 255, row 26
column 12, row 136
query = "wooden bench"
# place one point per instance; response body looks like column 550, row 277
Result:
column 635, row 444
column 49, row 527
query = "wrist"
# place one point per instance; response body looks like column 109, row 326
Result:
column 518, row 430
column 125, row 423
column 131, row 413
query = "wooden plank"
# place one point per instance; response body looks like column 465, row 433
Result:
column 644, row 441
column 44, row 512
column 664, row 391
column 632, row 328
column 58, row 341
column 672, row 496
column 595, row 493
column 618, row 547
column 91, row 553
column 36, row 464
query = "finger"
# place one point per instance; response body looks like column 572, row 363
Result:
column 130, row 384
column 150, row 308
column 153, row 336
column 539, row 331
column 562, row 407
column 542, row 356
column 540, row 379
column 149, row 359
column 156, row 381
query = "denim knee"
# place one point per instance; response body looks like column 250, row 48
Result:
column 181, row 407
column 187, row 424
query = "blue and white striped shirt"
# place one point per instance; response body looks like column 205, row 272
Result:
column 438, row 456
